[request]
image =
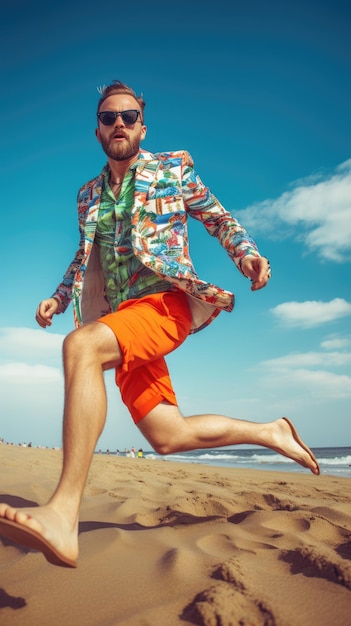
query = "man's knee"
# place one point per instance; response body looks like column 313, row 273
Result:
column 94, row 340
column 163, row 447
column 74, row 347
column 165, row 428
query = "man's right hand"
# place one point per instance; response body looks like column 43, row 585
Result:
column 45, row 311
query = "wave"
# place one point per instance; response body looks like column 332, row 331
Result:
column 332, row 460
column 248, row 458
column 338, row 460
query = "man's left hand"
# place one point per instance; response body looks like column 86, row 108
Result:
column 258, row 270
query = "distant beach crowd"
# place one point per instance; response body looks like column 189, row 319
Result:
column 131, row 453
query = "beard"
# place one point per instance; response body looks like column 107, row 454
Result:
column 119, row 152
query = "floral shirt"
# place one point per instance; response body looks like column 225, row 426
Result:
column 125, row 276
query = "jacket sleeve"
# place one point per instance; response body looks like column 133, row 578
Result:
column 63, row 292
column 202, row 205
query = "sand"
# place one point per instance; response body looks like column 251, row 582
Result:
column 165, row 543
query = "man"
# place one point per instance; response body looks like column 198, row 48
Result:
column 136, row 297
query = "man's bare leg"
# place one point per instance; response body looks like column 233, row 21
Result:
column 86, row 353
column 168, row 431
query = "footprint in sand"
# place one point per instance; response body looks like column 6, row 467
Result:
column 229, row 601
column 321, row 562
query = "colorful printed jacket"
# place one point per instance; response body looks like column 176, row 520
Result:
column 167, row 190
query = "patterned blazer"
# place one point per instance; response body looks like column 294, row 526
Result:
column 167, row 190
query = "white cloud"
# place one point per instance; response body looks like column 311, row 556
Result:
column 310, row 359
column 26, row 343
column 24, row 373
column 301, row 374
column 336, row 343
column 311, row 374
column 311, row 312
column 317, row 211
column 314, row 382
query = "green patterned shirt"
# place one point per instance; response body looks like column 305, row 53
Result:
column 125, row 276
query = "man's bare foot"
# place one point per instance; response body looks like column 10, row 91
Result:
column 43, row 529
column 287, row 442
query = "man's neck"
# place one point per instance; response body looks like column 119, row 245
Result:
column 118, row 169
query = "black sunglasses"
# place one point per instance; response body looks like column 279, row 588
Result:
column 109, row 117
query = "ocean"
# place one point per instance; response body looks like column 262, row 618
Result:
column 332, row 461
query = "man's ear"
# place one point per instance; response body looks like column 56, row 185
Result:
column 143, row 132
column 98, row 136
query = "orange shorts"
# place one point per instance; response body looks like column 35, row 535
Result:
column 146, row 330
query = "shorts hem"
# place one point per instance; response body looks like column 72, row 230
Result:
column 138, row 415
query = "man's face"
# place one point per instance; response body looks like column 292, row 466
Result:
column 121, row 141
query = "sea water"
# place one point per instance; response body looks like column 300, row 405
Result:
column 333, row 461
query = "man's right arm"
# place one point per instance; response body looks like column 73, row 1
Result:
column 61, row 298
column 45, row 311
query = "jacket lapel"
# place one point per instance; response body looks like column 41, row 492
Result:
column 94, row 203
column 145, row 176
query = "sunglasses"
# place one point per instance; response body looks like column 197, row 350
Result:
column 109, row 117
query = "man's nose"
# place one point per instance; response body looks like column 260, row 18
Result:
column 119, row 120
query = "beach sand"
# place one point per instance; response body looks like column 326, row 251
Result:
column 165, row 543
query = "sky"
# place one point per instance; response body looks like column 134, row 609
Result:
column 259, row 93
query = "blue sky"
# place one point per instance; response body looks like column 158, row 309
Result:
column 260, row 94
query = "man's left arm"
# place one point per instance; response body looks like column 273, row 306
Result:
column 202, row 205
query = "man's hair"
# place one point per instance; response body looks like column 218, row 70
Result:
column 117, row 87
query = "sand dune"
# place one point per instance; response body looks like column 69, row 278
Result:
column 165, row 544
